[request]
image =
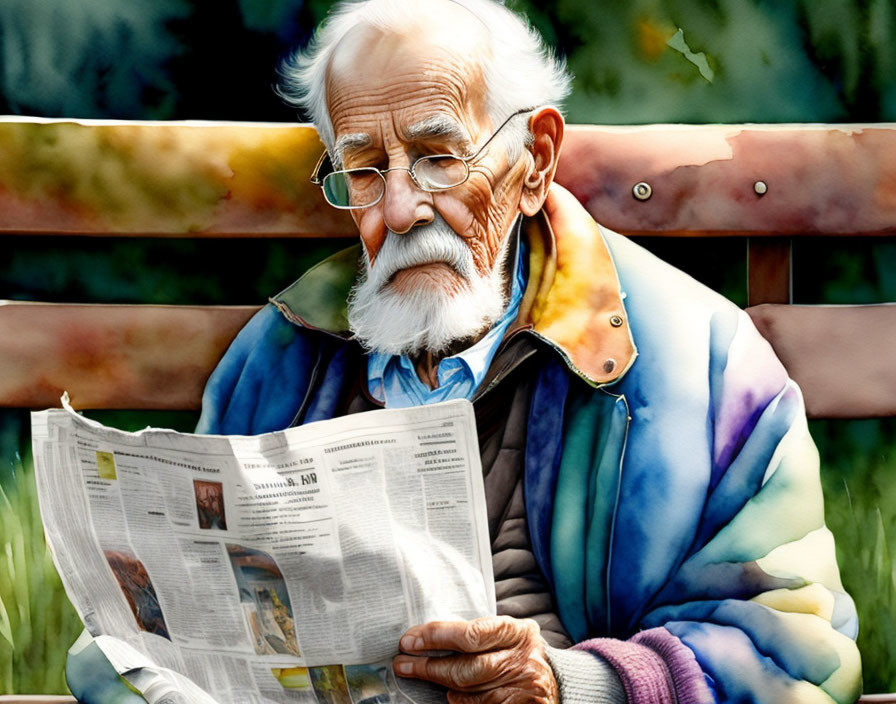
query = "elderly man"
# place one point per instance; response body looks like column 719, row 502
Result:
column 653, row 494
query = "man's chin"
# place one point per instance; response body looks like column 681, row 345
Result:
column 424, row 319
column 432, row 277
column 429, row 307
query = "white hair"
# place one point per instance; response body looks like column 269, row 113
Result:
column 427, row 317
column 519, row 70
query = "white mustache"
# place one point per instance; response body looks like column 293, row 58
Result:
column 424, row 244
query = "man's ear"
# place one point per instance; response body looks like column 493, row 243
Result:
column 546, row 126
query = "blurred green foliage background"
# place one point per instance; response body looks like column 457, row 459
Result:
column 635, row 61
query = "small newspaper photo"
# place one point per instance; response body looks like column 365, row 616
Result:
column 281, row 567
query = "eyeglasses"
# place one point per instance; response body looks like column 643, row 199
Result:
column 348, row 189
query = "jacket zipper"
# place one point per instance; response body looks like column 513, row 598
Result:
column 628, row 420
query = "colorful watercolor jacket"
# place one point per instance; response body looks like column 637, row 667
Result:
column 677, row 488
column 671, row 485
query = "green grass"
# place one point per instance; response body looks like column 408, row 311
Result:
column 859, row 480
column 37, row 623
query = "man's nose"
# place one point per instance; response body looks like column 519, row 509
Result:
column 404, row 204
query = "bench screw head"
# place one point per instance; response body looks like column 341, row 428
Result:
column 760, row 188
column 642, row 190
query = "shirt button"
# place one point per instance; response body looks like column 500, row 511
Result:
column 616, row 321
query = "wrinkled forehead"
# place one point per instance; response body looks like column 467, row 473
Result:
column 431, row 67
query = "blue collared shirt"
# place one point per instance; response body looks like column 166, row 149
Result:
column 393, row 380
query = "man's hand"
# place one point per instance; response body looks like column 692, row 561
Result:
column 498, row 659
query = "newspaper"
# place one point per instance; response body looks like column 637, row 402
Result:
column 274, row 568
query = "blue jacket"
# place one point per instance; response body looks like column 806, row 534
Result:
column 670, row 478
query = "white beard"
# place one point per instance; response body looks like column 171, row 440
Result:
column 427, row 318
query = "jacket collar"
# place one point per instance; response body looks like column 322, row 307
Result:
column 572, row 300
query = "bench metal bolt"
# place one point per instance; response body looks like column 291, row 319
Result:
column 642, row 190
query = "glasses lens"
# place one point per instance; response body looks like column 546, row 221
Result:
column 435, row 173
column 356, row 188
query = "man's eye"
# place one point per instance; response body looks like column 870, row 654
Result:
column 440, row 172
column 364, row 178
column 442, row 161
column 365, row 161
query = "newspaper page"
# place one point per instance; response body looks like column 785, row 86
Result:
column 274, row 568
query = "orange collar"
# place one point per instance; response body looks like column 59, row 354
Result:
column 573, row 299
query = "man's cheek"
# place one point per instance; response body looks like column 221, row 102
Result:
column 469, row 203
column 456, row 214
column 478, row 237
column 481, row 251
column 373, row 233
column 481, row 199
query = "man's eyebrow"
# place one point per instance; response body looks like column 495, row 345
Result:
column 353, row 140
column 436, row 127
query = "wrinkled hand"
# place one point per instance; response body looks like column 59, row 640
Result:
column 498, row 659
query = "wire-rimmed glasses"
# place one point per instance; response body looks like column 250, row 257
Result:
column 348, row 189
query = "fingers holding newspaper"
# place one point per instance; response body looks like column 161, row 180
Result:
column 493, row 659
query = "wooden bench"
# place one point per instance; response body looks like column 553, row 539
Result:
column 768, row 184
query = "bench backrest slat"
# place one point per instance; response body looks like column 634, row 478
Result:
column 112, row 356
column 825, row 180
column 158, row 357
column 246, row 180
column 839, row 355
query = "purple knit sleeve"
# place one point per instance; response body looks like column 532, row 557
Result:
column 655, row 667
